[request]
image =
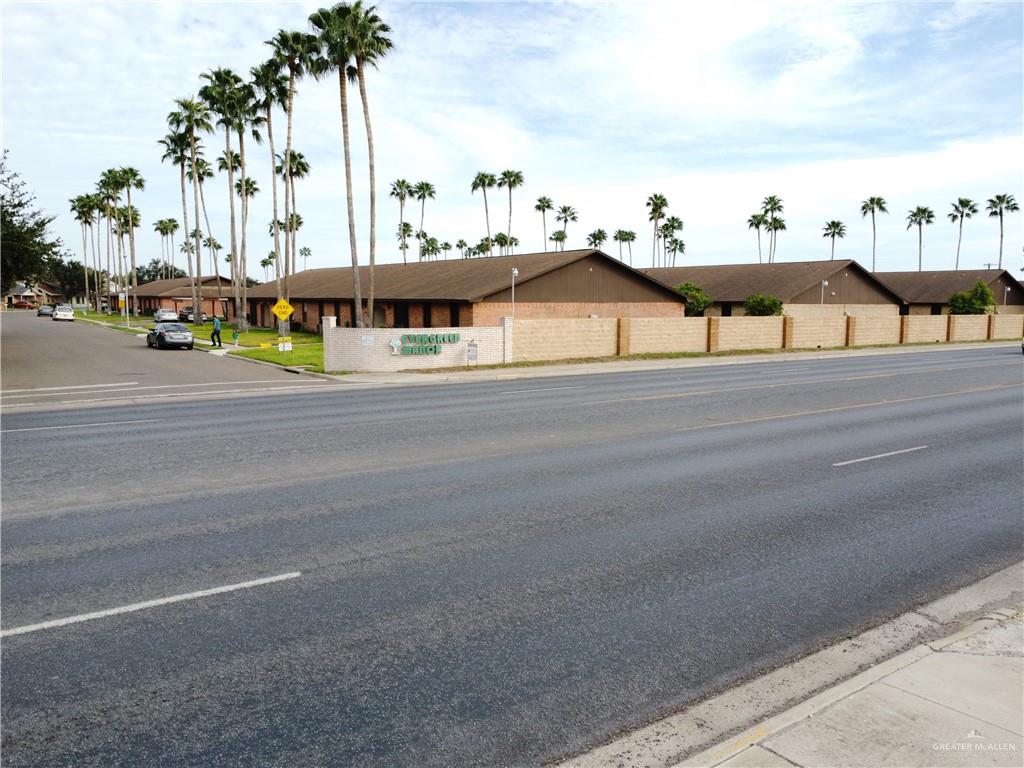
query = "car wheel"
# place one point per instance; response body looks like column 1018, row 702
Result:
column 190, row 346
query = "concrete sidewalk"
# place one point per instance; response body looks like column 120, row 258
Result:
column 941, row 685
column 957, row 702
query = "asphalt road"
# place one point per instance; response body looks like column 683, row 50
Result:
column 46, row 363
column 491, row 574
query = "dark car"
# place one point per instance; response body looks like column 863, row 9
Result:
column 46, row 310
column 169, row 335
column 186, row 315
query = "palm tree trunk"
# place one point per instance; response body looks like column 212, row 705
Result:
column 544, row 221
column 510, row 212
column 131, row 248
column 834, row 249
column 197, row 285
column 110, row 247
column 273, row 186
column 232, row 215
column 1000, row 238
column 85, row 264
column 423, row 210
column 654, row 251
column 629, row 246
column 759, row 259
column 958, row 241
column 361, row 73
column 920, row 246
column 242, row 267
column 401, row 225
column 285, row 325
column 872, row 240
column 487, row 218
column 213, row 251
column 357, row 292
column 96, row 266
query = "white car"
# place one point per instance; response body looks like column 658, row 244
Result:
column 64, row 312
column 165, row 316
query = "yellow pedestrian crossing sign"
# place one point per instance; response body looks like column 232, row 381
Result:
column 282, row 309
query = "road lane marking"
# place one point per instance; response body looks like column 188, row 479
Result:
column 152, row 386
column 80, row 426
column 717, row 390
column 540, row 389
column 880, row 456
column 76, row 386
column 147, row 604
column 149, row 397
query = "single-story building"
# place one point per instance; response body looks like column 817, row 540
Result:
column 175, row 293
column 35, row 293
column 928, row 293
column 807, row 288
column 475, row 292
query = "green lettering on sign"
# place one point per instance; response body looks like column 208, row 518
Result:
column 427, row 343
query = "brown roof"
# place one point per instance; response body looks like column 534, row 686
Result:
column 936, row 287
column 736, row 282
column 181, row 286
column 455, row 280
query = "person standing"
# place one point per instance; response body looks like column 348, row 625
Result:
column 215, row 336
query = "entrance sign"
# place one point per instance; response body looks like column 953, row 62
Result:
column 283, row 310
column 422, row 343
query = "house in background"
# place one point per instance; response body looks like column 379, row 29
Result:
column 850, row 289
column 36, row 293
column 175, row 293
column 928, row 293
column 475, row 292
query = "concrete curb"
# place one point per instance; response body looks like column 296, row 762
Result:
column 713, row 730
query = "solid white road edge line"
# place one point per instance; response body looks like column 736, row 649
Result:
column 147, row 604
column 156, row 386
column 80, row 426
column 540, row 389
column 76, row 386
column 881, row 456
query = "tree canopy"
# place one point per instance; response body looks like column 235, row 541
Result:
column 26, row 248
column 697, row 299
column 979, row 300
column 757, row 305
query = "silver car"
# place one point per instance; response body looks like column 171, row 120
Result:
column 170, row 335
column 165, row 316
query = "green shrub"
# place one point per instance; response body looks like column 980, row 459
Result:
column 757, row 305
column 697, row 299
column 978, row 301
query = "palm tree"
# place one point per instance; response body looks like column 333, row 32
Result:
column 251, row 188
column 203, row 171
column 918, row 217
column 461, row 245
column 996, row 207
column 108, row 189
column 501, row 240
column 193, row 117
column 963, row 208
column 305, row 253
column 675, row 246
column 630, row 238
column 559, row 238
column 597, row 238
column 423, row 191
column 511, row 180
column 95, row 204
column 657, row 204
column 403, row 232
column 484, row 181
column 542, row 207
column 672, row 225
column 82, row 209
column 834, row 229
column 445, row 247
column 771, row 207
column 566, row 213
column 331, row 25
column 176, row 149
column 130, row 179
column 294, row 52
column 619, row 237
column 270, row 260
column 775, row 225
column 872, row 205
column 400, row 190
column 757, row 221
column 298, row 168
column 368, row 35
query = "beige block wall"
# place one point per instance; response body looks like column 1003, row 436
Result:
column 735, row 333
column 1010, row 309
column 968, row 327
column 834, row 310
column 682, row 334
column 875, row 330
column 563, row 339
column 491, row 312
column 925, row 329
column 814, row 332
column 925, row 309
column 1007, row 326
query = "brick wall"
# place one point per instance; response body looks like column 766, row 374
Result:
column 561, row 339
column 968, row 327
column 735, row 333
column 821, row 331
column 369, row 349
column 875, row 330
column 491, row 312
column 1007, row 326
column 677, row 334
column 919, row 329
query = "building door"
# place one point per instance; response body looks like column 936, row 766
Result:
column 936, row 309
column 455, row 316
column 726, row 309
column 426, row 317
column 401, row 315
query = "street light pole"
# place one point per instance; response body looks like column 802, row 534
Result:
column 515, row 274
column 824, row 285
column 1006, row 293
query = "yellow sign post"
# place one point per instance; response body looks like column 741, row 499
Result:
column 283, row 310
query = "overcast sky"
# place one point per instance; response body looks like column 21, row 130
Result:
column 715, row 105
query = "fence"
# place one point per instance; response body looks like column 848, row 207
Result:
column 383, row 349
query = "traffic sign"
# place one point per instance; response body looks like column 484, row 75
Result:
column 282, row 309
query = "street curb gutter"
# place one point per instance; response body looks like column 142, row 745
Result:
column 726, row 724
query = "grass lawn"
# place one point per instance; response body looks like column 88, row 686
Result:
column 254, row 336
column 309, row 355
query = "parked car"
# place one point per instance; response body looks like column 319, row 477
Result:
column 63, row 312
column 169, row 335
column 46, row 310
column 187, row 315
column 165, row 316
column 23, row 305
